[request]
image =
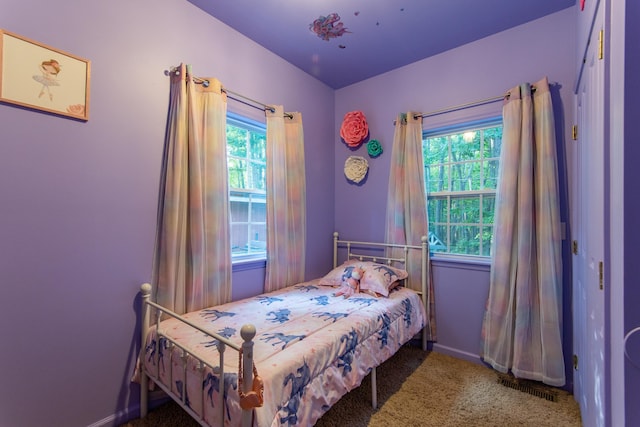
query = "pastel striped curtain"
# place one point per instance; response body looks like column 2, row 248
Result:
column 192, row 259
column 406, row 216
column 286, row 200
column 522, row 326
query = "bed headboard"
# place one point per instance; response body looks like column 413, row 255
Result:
column 369, row 249
column 388, row 253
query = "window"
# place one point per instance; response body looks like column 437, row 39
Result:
column 246, row 160
column 461, row 175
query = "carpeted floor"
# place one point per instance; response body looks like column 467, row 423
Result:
column 426, row 389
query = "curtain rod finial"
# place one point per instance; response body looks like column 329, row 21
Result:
column 172, row 70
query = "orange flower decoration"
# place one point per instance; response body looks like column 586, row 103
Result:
column 354, row 128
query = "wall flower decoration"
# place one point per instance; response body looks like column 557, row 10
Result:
column 374, row 148
column 356, row 168
column 354, row 128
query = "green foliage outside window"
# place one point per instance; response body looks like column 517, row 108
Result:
column 461, row 176
column 246, row 163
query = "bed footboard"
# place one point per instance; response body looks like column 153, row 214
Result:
column 247, row 333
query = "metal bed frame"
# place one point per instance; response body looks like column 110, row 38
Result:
column 248, row 331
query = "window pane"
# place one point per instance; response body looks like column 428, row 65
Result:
column 258, row 146
column 437, row 237
column 437, row 178
column 465, row 176
column 492, row 142
column 236, row 141
column 258, row 176
column 259, row 237
column 239, row 236
column 488, row 208
column 437, row 209
column 465, row 146
column 487, row 235
column 237, row 173
column 239, row 210
column 258, row 209
column 465, row 240
column 465, row 210
column 436, row 150
column 490, row 174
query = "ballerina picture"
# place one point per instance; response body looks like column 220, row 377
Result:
column 50, row 70
column 41, row 77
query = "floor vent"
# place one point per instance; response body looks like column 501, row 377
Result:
column 532, row 387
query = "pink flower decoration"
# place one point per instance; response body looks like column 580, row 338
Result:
column 354, row 128
column 77, row 109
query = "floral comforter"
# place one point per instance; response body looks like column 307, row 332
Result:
column 310, row 349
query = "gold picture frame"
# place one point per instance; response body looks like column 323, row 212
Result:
column 35, row 75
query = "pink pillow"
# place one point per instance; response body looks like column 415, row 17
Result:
column 378, row 279
column 335, row 276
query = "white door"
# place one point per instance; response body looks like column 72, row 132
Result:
column 588, row 285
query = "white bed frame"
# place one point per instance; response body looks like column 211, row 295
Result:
column 248, row 331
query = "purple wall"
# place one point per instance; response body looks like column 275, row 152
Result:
column 79, row 199
column 479, row 70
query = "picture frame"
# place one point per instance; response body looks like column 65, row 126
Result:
column 37, row 76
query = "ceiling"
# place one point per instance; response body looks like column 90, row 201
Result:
column 344, row 42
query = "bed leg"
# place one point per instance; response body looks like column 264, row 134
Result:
column 247, row 332
column 145, row 291
column 144, row 394
column 374, row 390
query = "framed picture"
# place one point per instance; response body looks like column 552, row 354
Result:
column 37, row 76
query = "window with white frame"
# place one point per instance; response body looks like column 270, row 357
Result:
column 461, row 175
column 247, row 168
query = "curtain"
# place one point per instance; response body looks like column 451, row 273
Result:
column 286, row 200
column 522, row 326
column 406, row 217
column 192, row 259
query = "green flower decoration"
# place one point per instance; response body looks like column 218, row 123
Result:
column 374, row 148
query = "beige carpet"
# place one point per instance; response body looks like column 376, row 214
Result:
column 426, row 389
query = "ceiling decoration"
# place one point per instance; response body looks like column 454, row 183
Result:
column 328, row 27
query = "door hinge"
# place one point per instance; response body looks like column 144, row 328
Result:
column 601, row 44
column 574, row 247
column 575, row 362
column 601, row 274
column 574, row 132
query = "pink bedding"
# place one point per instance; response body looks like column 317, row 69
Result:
column 310, row 349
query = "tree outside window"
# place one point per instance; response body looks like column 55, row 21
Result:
column 246, row 162
column 461, row 175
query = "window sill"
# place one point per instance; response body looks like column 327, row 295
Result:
column 248, row 264
column 466, row 263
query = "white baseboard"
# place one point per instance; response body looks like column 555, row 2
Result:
column 156, row 397
column 118, row 418
column 454, row 352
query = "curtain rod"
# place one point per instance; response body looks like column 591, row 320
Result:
column 462, row 106
column 467, row 105
column 230, row 94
